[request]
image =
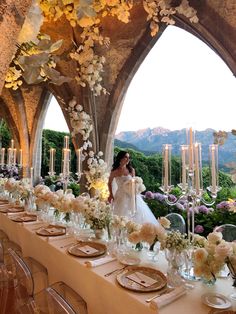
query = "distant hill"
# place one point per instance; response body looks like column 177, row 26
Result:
column 152, row 140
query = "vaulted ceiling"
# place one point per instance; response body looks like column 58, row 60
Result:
column 25, row 108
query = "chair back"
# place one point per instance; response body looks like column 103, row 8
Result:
column 228, row 231
column 25, row 282
column 58, row 303
column 76, row 302
column 4, row 288
column 177, row 222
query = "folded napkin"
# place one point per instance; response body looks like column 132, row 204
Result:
column 167, row 298
column 100, row 261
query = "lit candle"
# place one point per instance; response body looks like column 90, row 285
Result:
column 184, row 149
column 12, row 144
column 14, row 156
column 213, row 155
column 197, row 175
column 20, row 158
column 66, row 162
column 51, row 161
column 31, row 176
column 66, row 142
column 9, row 156
column 166, row 158
column 2, row 156
column 78, row 154
column 190, row 141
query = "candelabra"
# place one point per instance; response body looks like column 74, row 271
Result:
column 191, row 185
column 65, row 174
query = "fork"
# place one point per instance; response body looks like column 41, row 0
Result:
column 115, row 270
column 164, row 291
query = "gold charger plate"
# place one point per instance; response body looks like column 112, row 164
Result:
column 51, row 231
column 24, row 218
column 15, row 209
column 153, row 274
column 75, row 249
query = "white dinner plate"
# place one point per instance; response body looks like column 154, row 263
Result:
column 216, row 300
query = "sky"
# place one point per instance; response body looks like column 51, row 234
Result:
column 181, row 83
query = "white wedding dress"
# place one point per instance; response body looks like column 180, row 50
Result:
column 122, row 202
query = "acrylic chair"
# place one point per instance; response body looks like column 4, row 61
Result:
column 46, row 301
column 26, row 287
column 177, row 222
column 228, row 231
column 7, row 288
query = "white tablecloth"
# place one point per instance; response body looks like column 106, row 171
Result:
column 102, row 294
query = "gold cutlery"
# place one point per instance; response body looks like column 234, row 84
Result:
column 115, row 270
column 164, row 291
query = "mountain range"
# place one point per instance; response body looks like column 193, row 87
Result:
column 151, row 141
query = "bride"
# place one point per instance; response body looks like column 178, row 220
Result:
column 121, row 173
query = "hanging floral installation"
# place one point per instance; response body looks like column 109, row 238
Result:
column 88, row 15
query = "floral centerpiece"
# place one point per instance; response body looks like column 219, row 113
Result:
column 42, row 194
column 151, row 233
column 210, row 259
column 97, row 214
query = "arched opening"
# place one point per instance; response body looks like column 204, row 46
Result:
column 55, row 128
column 181, row 83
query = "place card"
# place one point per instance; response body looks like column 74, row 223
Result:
column 87, row 249
column 141, row 279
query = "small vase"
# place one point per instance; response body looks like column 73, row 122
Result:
column 98, row 233
column 153, row 250
column 175, row 261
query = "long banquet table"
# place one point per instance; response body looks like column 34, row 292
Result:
column 102, row 294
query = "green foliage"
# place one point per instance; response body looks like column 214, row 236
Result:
column 5, row 134
column 213, row 219
column 54, row 139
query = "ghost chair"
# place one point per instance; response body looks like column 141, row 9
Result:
column 228, row 231
column 45, row 302
column 177, row 222
column 26, row 287
column 7, row 286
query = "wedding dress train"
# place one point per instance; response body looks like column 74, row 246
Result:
column 122, row 202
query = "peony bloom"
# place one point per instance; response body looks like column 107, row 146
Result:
column 200, row 256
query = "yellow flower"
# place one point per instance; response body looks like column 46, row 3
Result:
column 86, row 21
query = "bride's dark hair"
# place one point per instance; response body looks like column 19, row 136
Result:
column 118, row 158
